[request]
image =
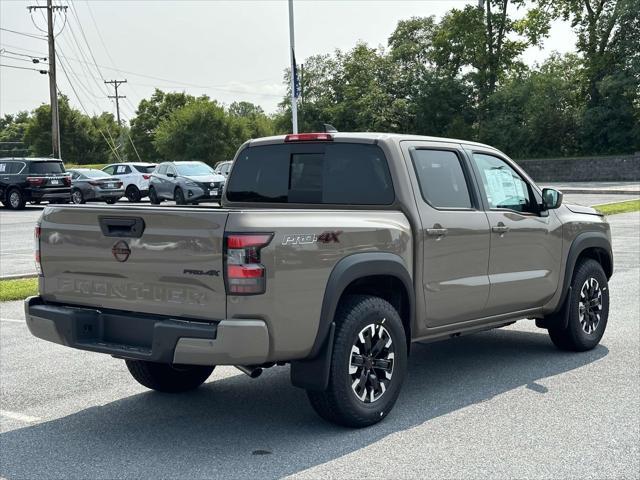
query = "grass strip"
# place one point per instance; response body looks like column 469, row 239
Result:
column 18, row 289
column 619, row 207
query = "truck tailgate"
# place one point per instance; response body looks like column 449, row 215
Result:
column 165, row 261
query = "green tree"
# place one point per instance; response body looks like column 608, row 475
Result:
column 80, row 137
column 150, row 113
column 608, row 34
column 200, row 130
column 12, row 128
column 257, row 122
column 537, row 112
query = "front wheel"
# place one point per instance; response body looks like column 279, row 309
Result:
column 153, row 196
column 168, row 378
column 178, row 196
column 368, row 365
column 588, row 309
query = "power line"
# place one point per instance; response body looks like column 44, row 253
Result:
column 4, row 50
column 39, row 37
column 113, row 150
column 44, row 72
column 33, row 60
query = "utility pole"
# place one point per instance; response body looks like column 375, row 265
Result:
column 116, row 84
column 294, row 104
column 117, row 96
column 53, row 91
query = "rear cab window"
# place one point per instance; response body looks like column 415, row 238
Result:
column 441, row 178
column 43, row 168
column 312, row 173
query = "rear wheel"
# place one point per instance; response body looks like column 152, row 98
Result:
column 153, row 196
column 15, row 199
column 133, row 194
column 588, row 309
column 368, row 365
column 168, row 378
column 77, row 197
column 178, row 196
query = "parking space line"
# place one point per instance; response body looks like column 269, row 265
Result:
column 12, row 320
column 18, row 416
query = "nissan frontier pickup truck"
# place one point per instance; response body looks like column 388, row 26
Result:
column 331, row 252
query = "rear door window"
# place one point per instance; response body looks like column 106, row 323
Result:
column 319, row 173
column 441, row 178
column 41, row 168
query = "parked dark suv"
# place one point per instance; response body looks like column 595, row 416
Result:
column 33, row 180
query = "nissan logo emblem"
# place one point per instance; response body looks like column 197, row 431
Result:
column 121, row 251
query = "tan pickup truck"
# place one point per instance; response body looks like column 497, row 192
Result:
column 331, row 252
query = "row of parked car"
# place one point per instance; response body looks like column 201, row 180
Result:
column 36, row 180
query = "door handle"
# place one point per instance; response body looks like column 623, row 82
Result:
column 437, row 232
column 500, row 228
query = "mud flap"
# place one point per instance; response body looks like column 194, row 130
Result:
column 559, row 318
column 313, row 374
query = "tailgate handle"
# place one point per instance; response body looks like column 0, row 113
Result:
column 131, row 227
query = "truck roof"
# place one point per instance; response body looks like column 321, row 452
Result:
column 372, row 137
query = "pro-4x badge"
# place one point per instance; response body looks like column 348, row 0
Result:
column 121, row 251
column 307, row 238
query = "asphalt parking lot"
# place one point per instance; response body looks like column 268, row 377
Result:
column 499, row 404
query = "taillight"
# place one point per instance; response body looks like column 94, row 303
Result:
column 146, row 177
column 36, row 237
column 308, row 137
column 244, row 274
column 35, row 181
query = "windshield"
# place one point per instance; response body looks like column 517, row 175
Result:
column 94, row 173
column 145, row 168
column 46, row 167
column 195, row 168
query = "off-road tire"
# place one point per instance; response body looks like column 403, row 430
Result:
column 153, row 196
column 574, row 337
column 133, row 194
column 168, row 378
column 15, row 199
column 339, row 403
column 178, row 196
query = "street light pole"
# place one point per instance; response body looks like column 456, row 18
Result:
column 294, row 99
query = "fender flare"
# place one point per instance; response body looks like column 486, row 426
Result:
column 582, row 242
column 312, row 373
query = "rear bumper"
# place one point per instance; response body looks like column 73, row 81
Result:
column 151, row 338
column 104, row 194
column 48, row 193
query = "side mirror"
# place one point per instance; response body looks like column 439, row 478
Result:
column 551, row 198
column 171, row 174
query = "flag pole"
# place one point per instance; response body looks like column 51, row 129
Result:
column 294, row 99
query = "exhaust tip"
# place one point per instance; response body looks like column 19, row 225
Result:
column 251, row 372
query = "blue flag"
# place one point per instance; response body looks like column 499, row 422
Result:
column 296, row 81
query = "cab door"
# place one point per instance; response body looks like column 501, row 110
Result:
column 454, row 233
column 526, row 241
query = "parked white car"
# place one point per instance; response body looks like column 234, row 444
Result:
column 223, row 168
column 135, row 178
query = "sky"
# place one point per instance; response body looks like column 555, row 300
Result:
column 229, row 50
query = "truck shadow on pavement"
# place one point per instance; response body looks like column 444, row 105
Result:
column 242, row 428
